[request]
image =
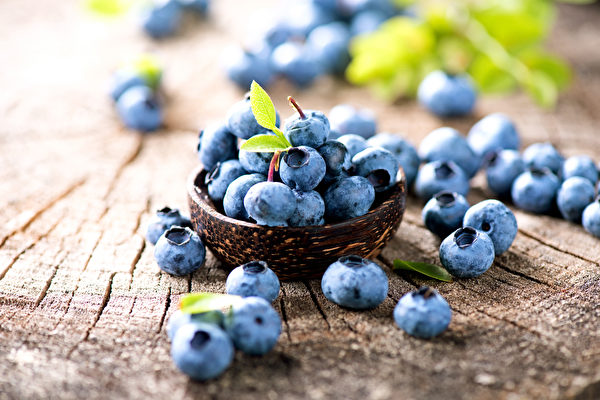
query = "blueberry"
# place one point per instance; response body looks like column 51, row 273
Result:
column 311, row 129
column 493, row 133
column 543, row 155
column 310, row 209
column 301, row 17
column 253, row 325
column 253, row 279
column 216, row 144
column 270, row 203
column 405, row 152
column 574, row 195
column 302, row 168
column 355, row 282
column 201, row 351
column 336, row 156
column 496, row 220
column 501, row 170
column 139, row 109
column 276, row 32
column 162, row 19
column 582, row 166
column 467, row 252
column 329, row 43
column 367, row 22
column 221, row 176
column 348, row 198
column 354, row 143
column 438, row 176
column 233, row 202
column 123, row 80
column 423, row 313
column 444, row 212
column 243, row 67
column 378, row 165
column 296, row 62
column 163, row 220
column 447, row 95
column 345, row 119
column 241, row 121
column 534, row 190
column 447, row 144
column 179, row 251
column 255, row 161
column 591, row 218
column 198, row 6
column 179, row 319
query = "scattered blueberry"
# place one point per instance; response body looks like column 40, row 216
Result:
column 329, row 43
column 535, row 190
column 216, row 144
column 198, row 6
column 501, row 170
column 493, row 133
column 467, row 252
column 310, row 209
column 438, row 176
column 345, row 119
column 496, row 220
column 179, row 251
column 270, row 203
column 162, row 19
column 163, row 220
column 447, row 144
column 302, row 168
column 139, row 109
column 444, row 212
column 296, row 62
column 179, row 319
column 574, row 195
column 405, row 152
column 423, row 313
column 243, row 67
column 591, row 218
column 378, row 165
column 221, row 176
column 582, row 166
column 447, row 95
column 543, row 155
column 253, row 279
column 125, row 79
column 348, row 198
column 233, row 202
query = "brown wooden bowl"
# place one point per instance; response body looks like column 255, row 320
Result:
column 294, row 252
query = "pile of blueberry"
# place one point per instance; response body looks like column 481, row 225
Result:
column 163, row 17
column 310, row 39
column 331, row 174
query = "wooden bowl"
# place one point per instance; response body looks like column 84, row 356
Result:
column 294, row 252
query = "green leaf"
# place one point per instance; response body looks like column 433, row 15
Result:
column 110, row 8
column 262, row 106
column 554, row 67
column 430, row 270
column 577, row 1
column 148, row 67
column 196, row 303
column 542, row 88
column 265, row 144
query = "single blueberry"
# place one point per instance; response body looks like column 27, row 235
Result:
column 162, row 19
column 496, row 220
column 423, row 313
column 444, row 212
column 355, row 282
column 543, row 155
column 336, row 156
column 535, row 190
column 163, row 220
column 501, row 170
column 367, row 21
column 296, row 62
column 310, row 128
column 447, row 95
column 201, row 351
column 591, row 218
column 348, row 198
column 220, row 177
column 405, row 152
column 179, row 251
column 253, row 325
column 329, row 43
column 310, row 209
column 243, row 67
column 582, row 166
column 438, row 176
column 139, row 109
column 354, row 143
column 447, row 144
column 301, row 17
column 241, row 121
column 179, row 319
column 216, row 144
column 255, row 161
column 345, row 119
column 253, row 279
column 233, row 201
column 467, row 252
column 270, row 203
column 378, row 165
column 302, row 168
column 493, row 133
column 125, row 79
column 574, row 195
column 275, row 32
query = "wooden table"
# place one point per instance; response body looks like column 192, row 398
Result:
column 83, row 305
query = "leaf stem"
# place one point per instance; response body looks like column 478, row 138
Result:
column 274, row 166
column 297, row 107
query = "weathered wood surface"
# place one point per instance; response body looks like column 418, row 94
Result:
column 83, row 305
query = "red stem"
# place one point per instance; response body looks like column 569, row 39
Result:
column 297, row 107
column 273, row 166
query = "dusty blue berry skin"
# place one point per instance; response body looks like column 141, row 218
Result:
column 243, row 67
column 574, row 195
column 123, row 80
column 437, row 176
column 496, row 220
column 301, row 17
column 405, row 152
column 253, row 325
column 270, row 203
column 199, row 6
column 449, row 145
column 253, row 279
column 367, row 22
column 423, row 313
column 329, row 43
column 354, row 143
column 310, row 209
column 311, row 131
column 241, row 121
column 535, row 190
column 302, row 168
column 179, row 251
column 163, row 220
column 543, row 155
column 233, row 201
column 348, row 198
column 201, row 351
column 162, row 20
column 378, row 165
column 355, row 282
column 179, row 319
column 492, row 133
column 467, row 252
column 345, row 119
column 444, row 212
column 336, row 156
column 255, row 162
column 582, row 166
column 591, row 218
column 447, row 95
column 221, row 176
column 501, row 170
column 216, row 144
column 139, row 109
column 296, row 62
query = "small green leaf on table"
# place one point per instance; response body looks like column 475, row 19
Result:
column 430, row 270
column 196, row 303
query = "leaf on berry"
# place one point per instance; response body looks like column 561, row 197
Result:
column 264, row 110
column 148, row 67
column 430, row 270
column 196, row 303
column 265, row 144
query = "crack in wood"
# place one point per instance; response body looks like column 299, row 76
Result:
column 136, row 260
column 313, row 296
column 522, row 275
column 284, row 317
column 164, row 314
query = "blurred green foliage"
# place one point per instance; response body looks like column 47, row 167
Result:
column 500, row 43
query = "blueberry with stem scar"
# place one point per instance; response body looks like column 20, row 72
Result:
column 310, row 128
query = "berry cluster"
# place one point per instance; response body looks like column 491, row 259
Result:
column 310, row 39
column 163, row 18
